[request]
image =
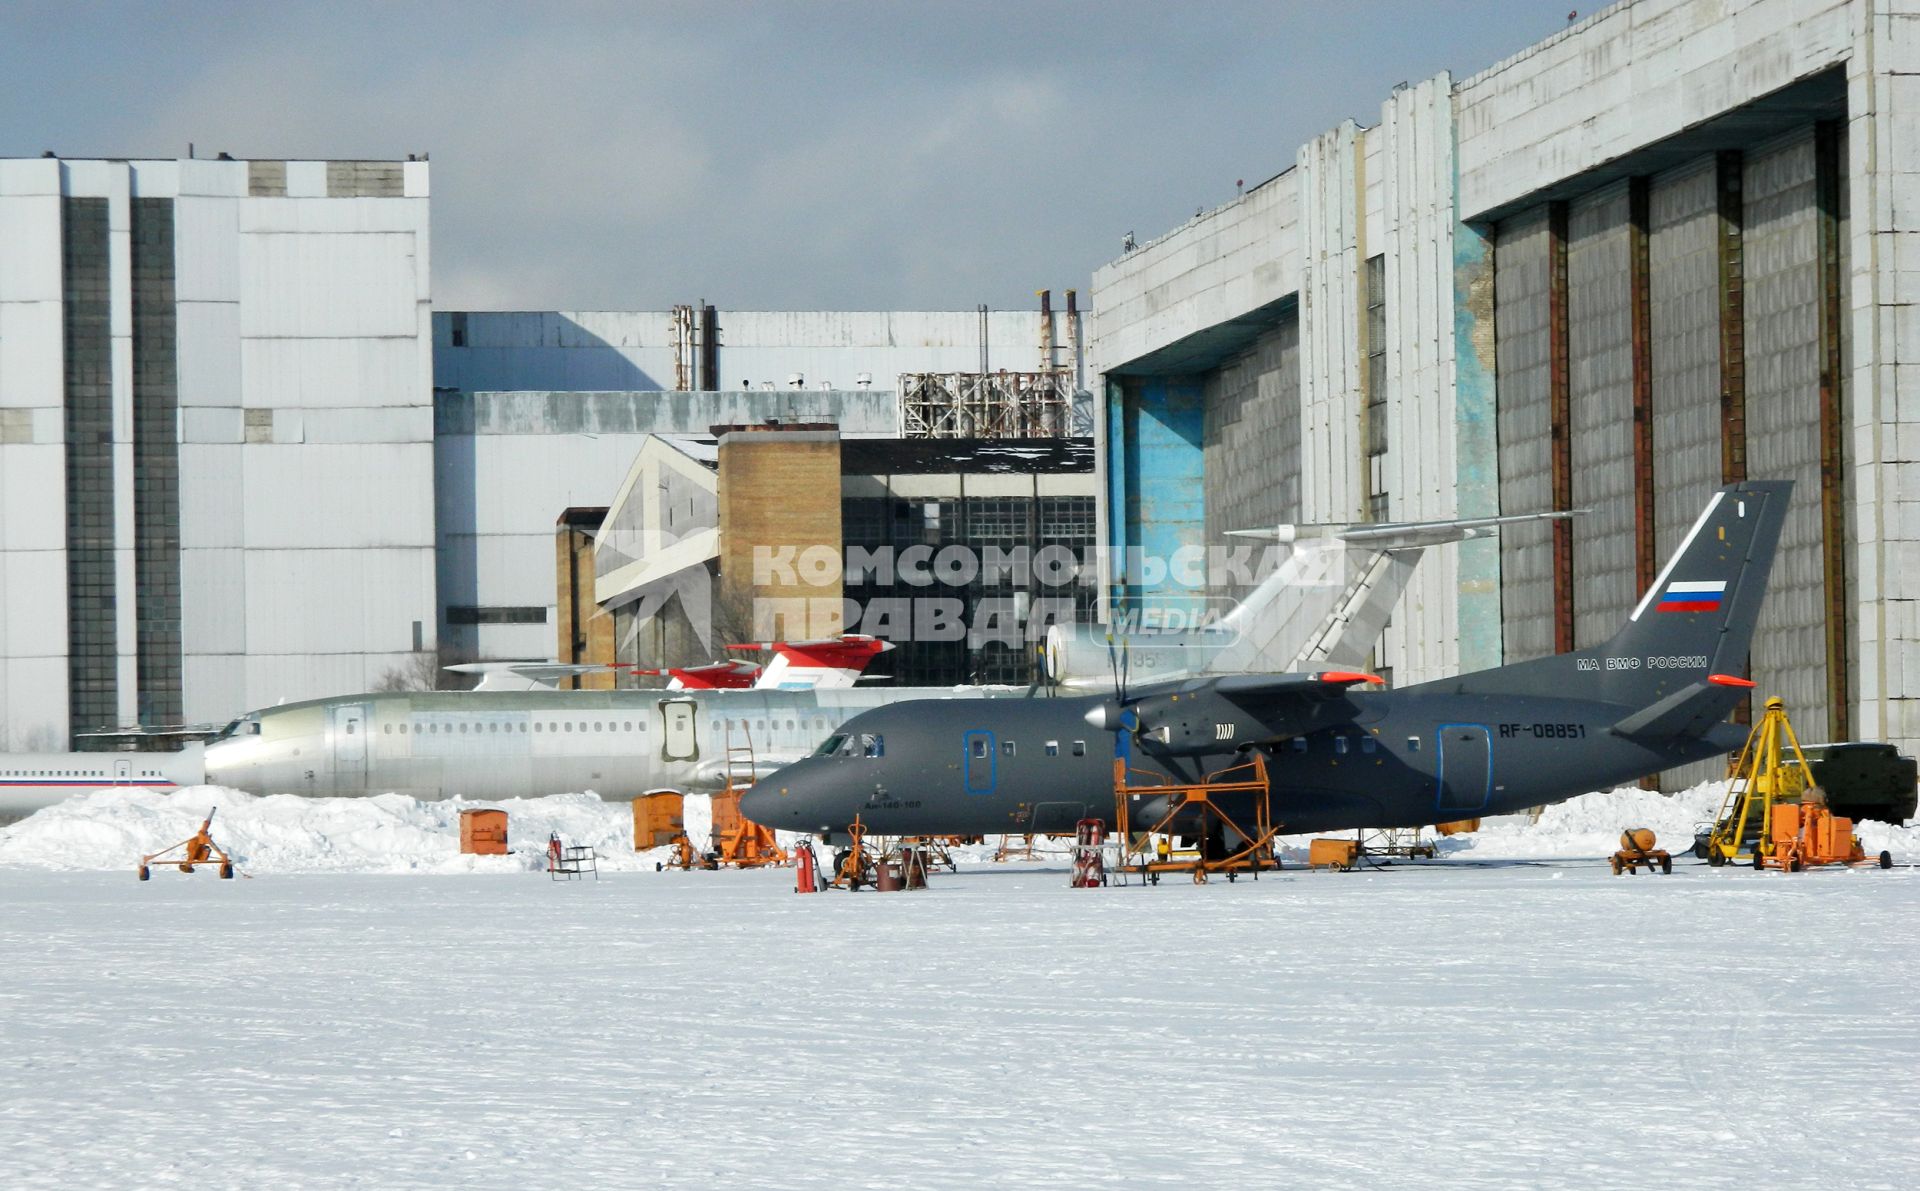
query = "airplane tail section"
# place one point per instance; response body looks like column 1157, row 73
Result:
column 1698, row 617
column 1680, row 659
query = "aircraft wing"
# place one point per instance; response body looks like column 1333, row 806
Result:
column 1245, row 709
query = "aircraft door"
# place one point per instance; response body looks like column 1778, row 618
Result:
column 349, row 724
column 122, row 773
column 981, row 763
column 678, row 730
column 1466, row 768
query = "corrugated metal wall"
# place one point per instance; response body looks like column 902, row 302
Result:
column 1686, row 348
column 1683, row 226
column 1600, row 350
column 1252, row 444
column 1782, row 282
column 1526, row 480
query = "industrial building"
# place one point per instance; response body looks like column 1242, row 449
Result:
column 1667, row 248
column 540, row 411
column 960, row 551
column 216, row 454
column 244, row 463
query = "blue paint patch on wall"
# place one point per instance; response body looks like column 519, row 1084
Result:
column 1476, row 444
column 1157, row 515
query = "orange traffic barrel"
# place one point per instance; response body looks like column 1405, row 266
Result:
column 483, row 832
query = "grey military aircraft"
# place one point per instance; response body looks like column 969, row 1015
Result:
column 1339, row 756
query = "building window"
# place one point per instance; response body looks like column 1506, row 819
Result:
column 506, row 614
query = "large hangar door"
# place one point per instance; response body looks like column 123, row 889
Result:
column 349, row 725
column 1466, row 768
column 679, row 739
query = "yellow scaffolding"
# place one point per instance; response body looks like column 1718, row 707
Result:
column 1770, row 770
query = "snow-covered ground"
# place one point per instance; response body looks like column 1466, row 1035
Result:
column 1511, row 1016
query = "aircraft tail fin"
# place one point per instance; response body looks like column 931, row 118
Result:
column 1698, row 617
column 1683, row 650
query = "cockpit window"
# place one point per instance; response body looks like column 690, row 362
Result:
column 831, row 747
column 872, row 744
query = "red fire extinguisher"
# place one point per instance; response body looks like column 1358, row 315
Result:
column 1089, row 864
column 805, row 869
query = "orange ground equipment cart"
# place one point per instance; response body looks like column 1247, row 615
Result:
column 198, row 850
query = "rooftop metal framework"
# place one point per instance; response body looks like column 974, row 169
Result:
column 986, row 404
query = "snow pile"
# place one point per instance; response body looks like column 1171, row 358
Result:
column 390, row 833
column 283, row 833
column 1590, row 825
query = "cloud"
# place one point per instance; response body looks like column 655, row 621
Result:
column 776, row 156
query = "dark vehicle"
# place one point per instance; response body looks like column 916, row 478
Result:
column 1866, row 780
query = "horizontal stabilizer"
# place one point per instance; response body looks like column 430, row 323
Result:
column 1402, row 535
column 1689, row 711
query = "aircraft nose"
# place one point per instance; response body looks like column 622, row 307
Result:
column 776, row 802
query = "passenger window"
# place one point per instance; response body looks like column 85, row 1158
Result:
column 1079, row 748
column 1368, row 744
column 350, row 727
column 568, row 726
column 627, row 725
column 979, row 746
column 1053, row 748
column 1006, row 748
column 1413, row 744
column 387, row 729
column 872, row 744
column 1340, row 745
column 403, row 729
column 1299, row 744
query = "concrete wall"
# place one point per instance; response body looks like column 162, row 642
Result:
column 634, row 349
column 33, row 550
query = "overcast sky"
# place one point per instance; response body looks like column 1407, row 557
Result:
column 806, row 156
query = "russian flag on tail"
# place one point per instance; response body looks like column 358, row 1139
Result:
column 1693, row 596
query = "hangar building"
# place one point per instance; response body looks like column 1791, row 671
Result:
column 1675, row 245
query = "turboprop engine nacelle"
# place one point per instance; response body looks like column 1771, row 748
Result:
column 1078, row 656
